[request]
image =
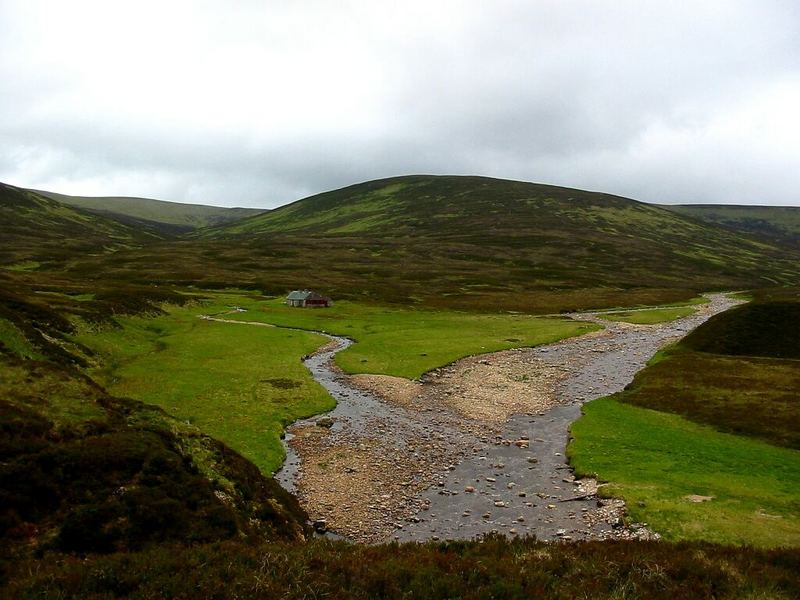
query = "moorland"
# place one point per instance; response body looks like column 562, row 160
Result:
column 138, row 440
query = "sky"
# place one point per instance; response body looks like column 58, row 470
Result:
column 260, row 103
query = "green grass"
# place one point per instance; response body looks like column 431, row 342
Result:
column 26, row 265
column 407, row 342
column 238, row 383
column 650, row 317
column 14, row 340
column 757, row 397
column 654, row 460
column 65, row 401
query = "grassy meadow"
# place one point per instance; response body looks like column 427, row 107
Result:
column 240, row 384
column 657, row 460
column 243, row 383
column 410, row 342
column 650, row 317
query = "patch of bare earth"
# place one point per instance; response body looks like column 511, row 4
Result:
column 365, row 488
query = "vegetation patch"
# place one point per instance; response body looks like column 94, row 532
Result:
column 493, row 568
column 768, row 329
column 656, row 460
column 754, row 395
column 651, row 316
column 220, row 377
column 83, row 472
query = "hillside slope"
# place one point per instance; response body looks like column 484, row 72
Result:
column 35, row 228
column 452, row 237
column 155, row 215
column 83, row 471
column 774, row 223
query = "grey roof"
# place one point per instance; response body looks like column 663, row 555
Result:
column 299, row 295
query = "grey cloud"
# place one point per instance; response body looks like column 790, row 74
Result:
column 644, row 99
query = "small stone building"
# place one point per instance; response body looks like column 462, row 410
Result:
column 307, row 299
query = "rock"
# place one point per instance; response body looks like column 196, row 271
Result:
column 469, row 489
column 320, row 525
column 499, row 503
column 326, row 422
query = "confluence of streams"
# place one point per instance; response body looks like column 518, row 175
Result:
column 475, row 447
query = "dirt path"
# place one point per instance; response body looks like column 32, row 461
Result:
column 475, row 447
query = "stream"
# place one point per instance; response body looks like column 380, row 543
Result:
column 378, row 470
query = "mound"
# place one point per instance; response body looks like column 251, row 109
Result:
column 768, row 329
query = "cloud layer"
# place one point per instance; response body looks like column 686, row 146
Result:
column 261, row 103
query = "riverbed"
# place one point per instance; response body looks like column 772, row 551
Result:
column 474, row 447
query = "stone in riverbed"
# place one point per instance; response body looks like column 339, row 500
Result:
column 320, row 525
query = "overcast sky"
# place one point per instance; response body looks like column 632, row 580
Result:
column 258, row 103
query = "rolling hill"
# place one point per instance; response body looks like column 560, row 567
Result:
column 155, row 215
column 459, row 242
column 779, row 224
column 36, row 228
column 449, row 240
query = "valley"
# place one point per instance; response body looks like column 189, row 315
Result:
column 528, row 363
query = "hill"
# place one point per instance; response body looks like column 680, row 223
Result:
column 36, row 228
column 454, row 240
column 766, row 329
column 155, row 215
column 775, row 223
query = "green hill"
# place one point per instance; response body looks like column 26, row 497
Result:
column 36, row 228
column 448, row 240
column 766, row 329
column 774, row 223
column 155, row 215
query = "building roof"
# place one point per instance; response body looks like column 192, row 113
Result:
column 299, row 295
column 305, row 295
